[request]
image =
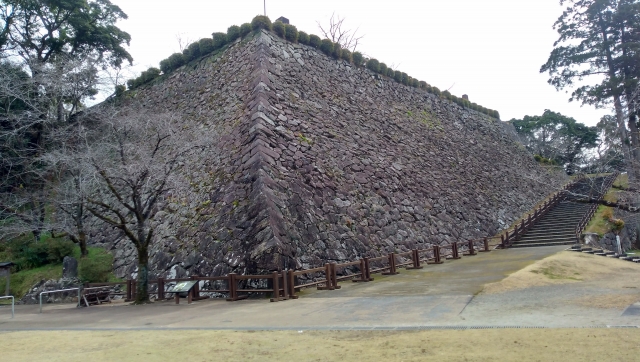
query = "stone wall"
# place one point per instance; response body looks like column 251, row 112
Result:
column 320, row 161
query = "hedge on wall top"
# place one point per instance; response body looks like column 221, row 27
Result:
column 279, row 28
column 358, row 59
column 291, row 33
column 192, row 51
column 326, row 46
column 261, row 22
column 245, row 29
column 337, row 51
column 233, row 33
column 314, row 41
column 206, row 46
column 382, row 69
column 303, row 38
column 219, row 40
column 374, row 65
column 346, row 55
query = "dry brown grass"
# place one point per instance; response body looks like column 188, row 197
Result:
column 448, row 345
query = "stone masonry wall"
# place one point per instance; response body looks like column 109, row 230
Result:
column 321, row 161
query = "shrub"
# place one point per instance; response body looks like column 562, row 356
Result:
column 245, row 29
column 233, row 33
column 326, row 46
column 397, row 75
column 496, row 114
column 374, row 65
column 219, row 40
column 279, row 28
column 314, row 41
column 96, row 269
column 303, row 38
column 390, row 73
column 291, row 33
column 358, row 59
column 191, row 52
column 206, row 46
column 382, row 69
column 337, row 51
column 405, row 78
column 175, row 61
column 422, row 84
column 31, row 254
column 446, row 94
column 436, row 91
column 131, row 83
column 120, row 89
column 261, row 22
column 346, row 55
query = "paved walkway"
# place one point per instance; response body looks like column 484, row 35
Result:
column 438, row 295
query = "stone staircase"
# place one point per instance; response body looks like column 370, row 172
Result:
column 558, row 226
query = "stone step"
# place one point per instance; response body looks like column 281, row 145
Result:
column 533, row 245
column 546, row 240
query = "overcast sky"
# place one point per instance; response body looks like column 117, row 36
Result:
column 491, row 50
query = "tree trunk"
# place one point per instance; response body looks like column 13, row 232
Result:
column 82, row 242
column 142, row 285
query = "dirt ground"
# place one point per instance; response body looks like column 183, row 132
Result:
column 573, row 267
column 447, row 345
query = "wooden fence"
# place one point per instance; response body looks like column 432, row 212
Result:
column 284, row 285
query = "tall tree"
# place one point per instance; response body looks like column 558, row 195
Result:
column 556, row 137
column 597, row 56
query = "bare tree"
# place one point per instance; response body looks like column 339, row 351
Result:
column 129, row 166
column 347, row 38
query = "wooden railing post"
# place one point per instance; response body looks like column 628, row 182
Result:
column 392, row 265
column 436, row 254
column 291, row 283
column 334, row 276
column 472, row 248
column 327, row 274
column 161, row 289
column 285, row 287
column 454, row 251
column 486, row 245
column 415, row 258
column 196, row 288
column 275, row 296
column 233, row 294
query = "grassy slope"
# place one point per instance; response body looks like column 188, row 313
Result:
column 25, row 279
column 597, row 224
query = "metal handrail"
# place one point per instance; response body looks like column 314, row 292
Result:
column 57, row 291
column 13, row 302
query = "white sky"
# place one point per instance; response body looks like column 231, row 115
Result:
column 491, row 50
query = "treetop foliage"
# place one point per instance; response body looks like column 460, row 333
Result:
column 556, row 137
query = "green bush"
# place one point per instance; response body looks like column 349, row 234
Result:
column 219, row 40
column 422, row 84
column 261, row 22
column 175, row 61
column 245, row 29
column 397, row 76
column 206, row 46
column 336, row 52
column 191, row 52
column 326, row 46
column 390, row 73
column 496, row 114
column 382, row 69
column 279, row 28
column 374, row 65
column 303, row 38
column 315, row 41
column 291, row 33
column 346, row 55
column 28, row 254
column 96, row 269
column 120, row 89
column 131, row 84
column 436, row 91
column 358, row 59
column 405, row 78
column 233, row 33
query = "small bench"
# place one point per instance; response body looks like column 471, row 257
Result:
column 95, row 296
